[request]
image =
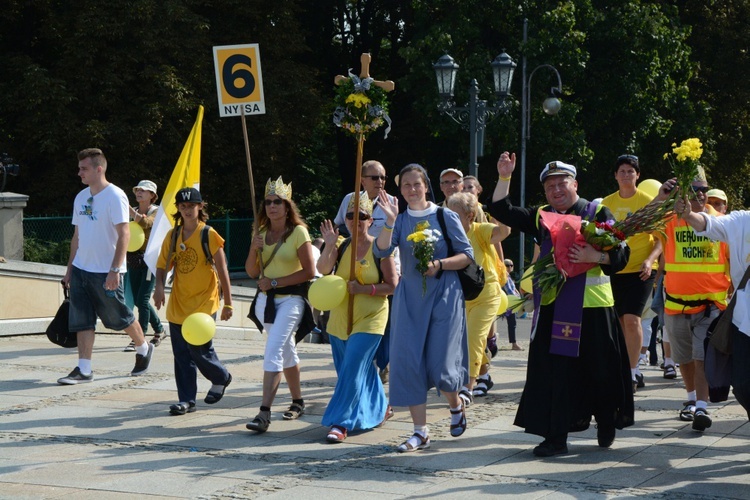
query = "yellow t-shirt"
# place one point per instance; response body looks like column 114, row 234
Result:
column 485, row 255
column 286, row 261
column 195, row 287
column 640, row 244
column 370, row 312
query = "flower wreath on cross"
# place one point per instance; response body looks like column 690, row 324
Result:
column 361, row 107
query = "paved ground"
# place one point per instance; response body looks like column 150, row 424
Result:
column 113, row 438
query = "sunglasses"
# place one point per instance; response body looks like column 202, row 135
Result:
column 700, row 189
column 276, row 201
column 362, row 216
column 376, row 177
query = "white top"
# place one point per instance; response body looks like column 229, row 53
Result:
column 96, row 221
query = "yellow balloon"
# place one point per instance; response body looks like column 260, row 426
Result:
column 503, row 303
column 137, row 237
column 526, row 281
column 650, row 187
column 198, row 329
column 327, row 292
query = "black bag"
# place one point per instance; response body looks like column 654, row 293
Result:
column 472, row 276
column 57, row 331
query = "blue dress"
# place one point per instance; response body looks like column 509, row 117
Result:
column 429, row 343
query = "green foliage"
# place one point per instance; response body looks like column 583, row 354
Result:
column 46, row 252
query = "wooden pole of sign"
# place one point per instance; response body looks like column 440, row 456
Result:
column 388, row 86
column 252, row 184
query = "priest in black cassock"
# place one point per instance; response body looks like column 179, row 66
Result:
column 578, row 364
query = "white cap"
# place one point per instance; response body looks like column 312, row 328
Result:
column 557, row 168
column 449, row 170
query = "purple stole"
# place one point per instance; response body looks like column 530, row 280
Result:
column 566, row 322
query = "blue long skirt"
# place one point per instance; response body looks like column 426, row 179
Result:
column 359, row 400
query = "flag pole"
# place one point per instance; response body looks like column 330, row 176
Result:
column 252, row 183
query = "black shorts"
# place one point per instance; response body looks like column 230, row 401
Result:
column 631, row 292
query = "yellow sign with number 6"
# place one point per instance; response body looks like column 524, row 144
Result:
column 239, row 83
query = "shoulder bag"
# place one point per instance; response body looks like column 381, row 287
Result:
column 472, row 276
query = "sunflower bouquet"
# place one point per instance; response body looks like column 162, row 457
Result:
column 423, row 239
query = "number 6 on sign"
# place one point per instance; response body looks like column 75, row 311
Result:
column 239, row 83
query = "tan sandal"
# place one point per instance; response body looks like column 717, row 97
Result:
column 294, row 412
column 261, row 422
column 414, row 443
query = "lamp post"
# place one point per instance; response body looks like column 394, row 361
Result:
column 551, row 106
column 477, row 113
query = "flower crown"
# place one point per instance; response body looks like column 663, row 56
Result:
column 365, row 204
column 277, row 187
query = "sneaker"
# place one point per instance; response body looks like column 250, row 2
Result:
column 142, row 362
column 701, row 420
column 130, row 347
column 550, row 449
column 76, row 377
column 639, row 381
column 158, row 337
column 466, row 396
column 670, row 372
column 687, row 414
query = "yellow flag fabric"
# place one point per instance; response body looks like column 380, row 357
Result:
column 187, row 173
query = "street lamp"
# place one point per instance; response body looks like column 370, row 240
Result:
column 476, row 114
column 551, row 106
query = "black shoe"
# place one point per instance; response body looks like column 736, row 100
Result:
column 181, row 408
column 605, row 435
column 76, row 377
column 701, row 420
column 549, row 449
column 142, row 362
column 639, row 381
column 215, row 397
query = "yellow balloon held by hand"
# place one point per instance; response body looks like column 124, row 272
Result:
column 503, row 303
column 198, row 329
column 327, row 292
column 650, row 187
column 137, row 237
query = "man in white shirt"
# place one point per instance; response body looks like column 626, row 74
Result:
column 97, row 260
column 373, row 182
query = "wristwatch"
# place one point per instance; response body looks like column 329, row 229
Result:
column 274, row 283
column 114, row 270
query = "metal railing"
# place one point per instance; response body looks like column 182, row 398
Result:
column 47, row 239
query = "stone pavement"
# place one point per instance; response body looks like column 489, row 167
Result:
column 113, row 438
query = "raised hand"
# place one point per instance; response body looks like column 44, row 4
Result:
column 389, row 208
column 329, row 233
column 506, row 164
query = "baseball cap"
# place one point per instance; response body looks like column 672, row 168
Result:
column 188, row 195
column 147, row 186
column 717, row 193
column 557, row 168
column 454, row 170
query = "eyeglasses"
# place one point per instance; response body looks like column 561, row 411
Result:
column 376, row 177
column 627, row 158
column 700, row 189
column 509, row 265
column 450, row 183
column 362, row 216
column 275, row 201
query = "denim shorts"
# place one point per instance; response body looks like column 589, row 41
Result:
column 88, row 299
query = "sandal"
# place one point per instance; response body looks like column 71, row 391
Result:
column 466, row 396
column 294, row 412
column 130, row 347
column 460, row 427
column 388, row 415
column 337, row 434
column 414, row 443
column 215, row 397
column 261, row 422
column 670, row 372
column 158, row 337
column 182, row 408
column 687, row 414
column 483, row 386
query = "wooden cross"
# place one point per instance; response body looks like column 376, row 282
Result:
column 365, row 60
column 388, row 86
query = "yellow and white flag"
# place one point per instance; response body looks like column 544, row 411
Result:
column 187, row 173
